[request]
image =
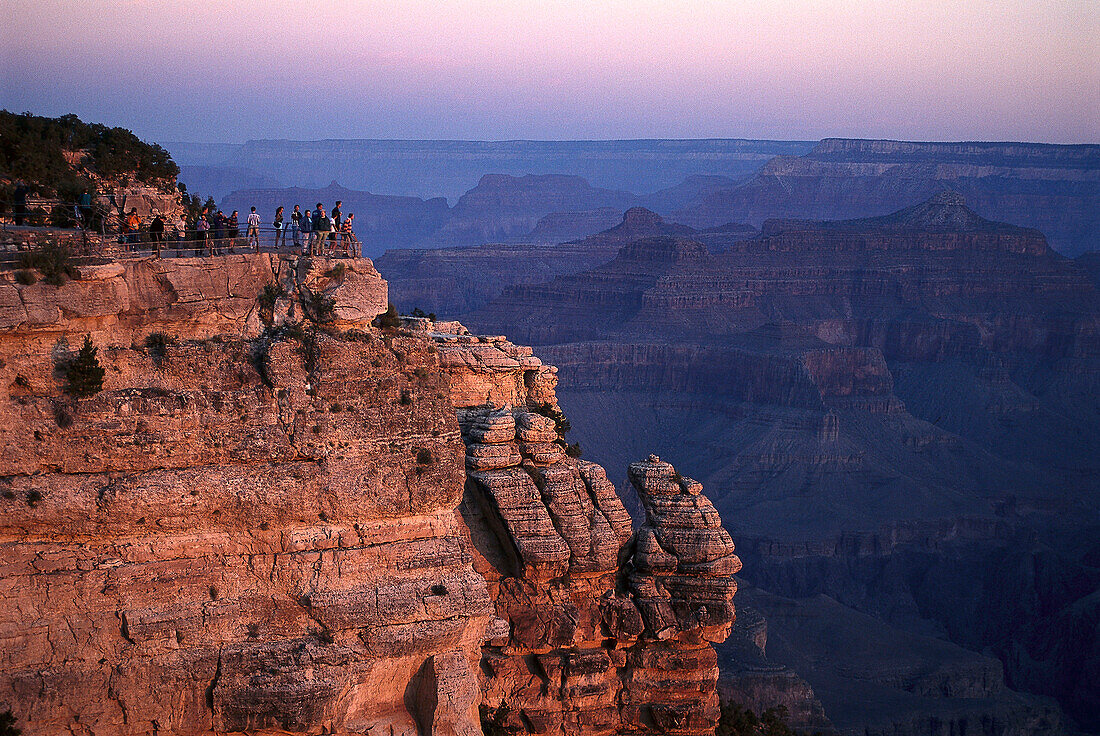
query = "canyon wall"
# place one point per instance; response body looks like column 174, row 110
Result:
column 275, row 517
column 875, row 405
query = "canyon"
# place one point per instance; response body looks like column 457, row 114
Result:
column 502, row 191
column 277, row 516
column 896, row 416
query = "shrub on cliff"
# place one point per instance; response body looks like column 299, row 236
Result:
column 53, row 261
column 7, row 724
column 318, row 308
column 157, row 344
column 388, row 320
column 83, row 374
column 738, row 721
column 561, row 423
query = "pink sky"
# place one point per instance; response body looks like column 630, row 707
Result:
column 475, row 69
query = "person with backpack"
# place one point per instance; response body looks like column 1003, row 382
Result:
column 280, row 231
column 254, row 229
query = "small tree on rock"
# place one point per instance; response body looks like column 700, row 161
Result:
column 84, row 374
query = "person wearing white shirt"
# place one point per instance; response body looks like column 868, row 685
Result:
column 254, row 229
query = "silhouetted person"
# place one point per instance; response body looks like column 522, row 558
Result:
column 336, row 215
column 156, row 234
column 85, row 208
column 307, row 230
column 19, row 205
column 233, row 226
column 217, row 229
column 321, row 228
column 202, row 230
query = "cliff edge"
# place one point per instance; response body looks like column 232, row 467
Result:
column 274, row 516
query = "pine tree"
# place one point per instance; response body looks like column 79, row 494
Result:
column 84, row 373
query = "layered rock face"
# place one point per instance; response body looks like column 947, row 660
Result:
column 870, row 401
column 243, row 531
column 503, row 206
column 1054, row 189
column 599, row 631
column 457, row 281
column 272, row 519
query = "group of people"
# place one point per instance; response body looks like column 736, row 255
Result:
column 313, row 232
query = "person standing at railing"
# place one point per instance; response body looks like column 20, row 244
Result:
column 296, row 226
column 307, row 230
column 156, row 234
column 322, row 226
column 337, row 218
column 254, row 229
column 85, row 208
column 217, row 230
column 202, row 229
column 133, row 226
column 180, row 226
column 233, row 227
column 280, row 228
column 348, row 242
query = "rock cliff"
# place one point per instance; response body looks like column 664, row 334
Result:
column 874, row 389
column 275, row 517
column 1054, row 189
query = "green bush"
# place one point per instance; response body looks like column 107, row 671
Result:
column 561, row 423
column 53, row 261
column 33, row 148
column 270, row 294
column 388, row 320
column 25, row 277
column 318, row 308
column 736, row 720
column 83, row 374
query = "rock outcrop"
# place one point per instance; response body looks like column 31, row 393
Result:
column 600, row 631
column 275, row 517
column 244, row 530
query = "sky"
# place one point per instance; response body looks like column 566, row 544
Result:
column 230, row 71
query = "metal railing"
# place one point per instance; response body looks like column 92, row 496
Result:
column 112, row 240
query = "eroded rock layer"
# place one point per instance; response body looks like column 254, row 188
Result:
column 600, row 631
column 275, row 517
column 247, row 529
